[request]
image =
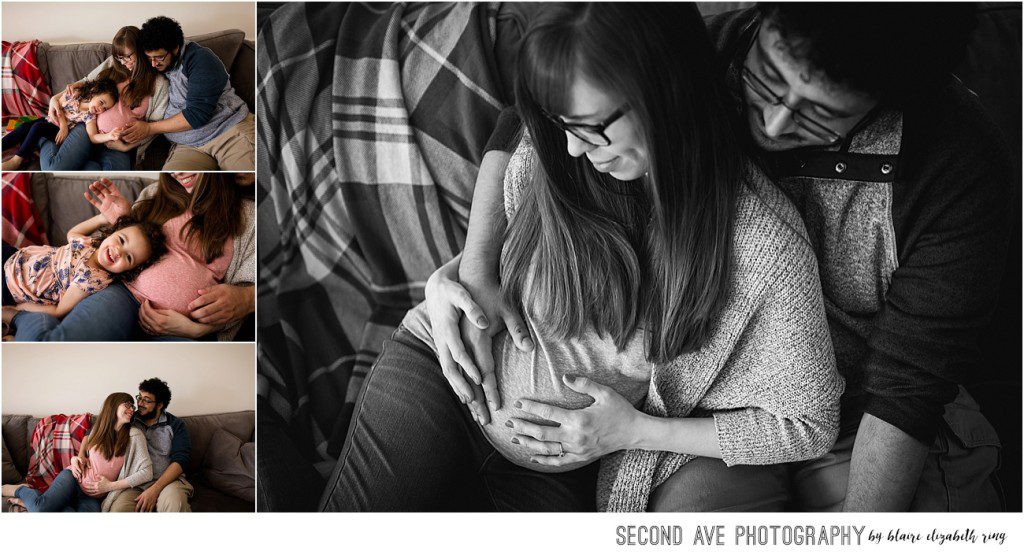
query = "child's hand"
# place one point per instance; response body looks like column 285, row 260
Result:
column 62, row 134
column 107, row 199
column 116, row 133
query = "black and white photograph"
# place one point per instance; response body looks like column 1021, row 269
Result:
column 629, row 257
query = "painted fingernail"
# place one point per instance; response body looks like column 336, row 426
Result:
column 508, row 423
column 519, row 404
column 515, row 440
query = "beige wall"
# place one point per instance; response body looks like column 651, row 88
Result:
column 74, row 22
column 42, row 379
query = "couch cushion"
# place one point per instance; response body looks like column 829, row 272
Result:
column 67, row 63
column 17, row 432
column 64, row 206
column 201, row 430
column 225, row 44
column 10, row 472
column 229, row 465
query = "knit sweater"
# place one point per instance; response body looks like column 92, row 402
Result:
column 767, row 375
column 137, row 469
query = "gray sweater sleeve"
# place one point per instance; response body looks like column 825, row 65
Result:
column 138, row 468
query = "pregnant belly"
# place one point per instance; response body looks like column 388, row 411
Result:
column 537, row 376
column 173, row 282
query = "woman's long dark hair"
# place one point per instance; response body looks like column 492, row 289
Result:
column 142, row 79
column 104, row 434
column 216, row 206
column 653, row 253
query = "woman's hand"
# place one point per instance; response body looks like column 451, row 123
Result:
column 107, row 198
column 155, row 321
column 222, row 304
column 62, row 133
column 79, row 466
column 99, row 487
column 608, row 425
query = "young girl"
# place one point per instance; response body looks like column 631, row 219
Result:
column 80, row 105
column 55, row 279
column 114, row 456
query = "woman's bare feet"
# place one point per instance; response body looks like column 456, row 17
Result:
column 9, row 489
column 17, row 505
column 12, row 164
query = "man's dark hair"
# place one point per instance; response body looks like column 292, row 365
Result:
column 894, row 51
column 160, row 33
column 159, row 389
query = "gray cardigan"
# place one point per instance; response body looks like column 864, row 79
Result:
column 137, row 469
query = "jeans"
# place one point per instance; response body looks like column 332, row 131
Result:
column 108, row 315
column 28, row 135
column 413, row 446
column 77, row 152
column 64, row 495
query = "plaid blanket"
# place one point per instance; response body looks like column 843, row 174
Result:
column 373, row 119
column 25, row 92
column 22, row 224
column 55, row 440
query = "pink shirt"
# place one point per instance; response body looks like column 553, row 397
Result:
column 100, row 466
column 120, row 115
column 41, row 274
column 173, row 282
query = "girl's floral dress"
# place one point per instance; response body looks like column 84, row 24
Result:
column 42, row 274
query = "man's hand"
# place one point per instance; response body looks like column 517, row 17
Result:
column 223, row 303
column 136, row 131
column 146, row 501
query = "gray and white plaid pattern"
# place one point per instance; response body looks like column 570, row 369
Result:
column 372, row 124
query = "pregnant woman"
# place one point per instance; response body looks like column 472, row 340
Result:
column 113, row 457
column 671, row 292
column 202, row 287
column 143, row 95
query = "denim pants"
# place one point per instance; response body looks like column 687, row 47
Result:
column 413, row 446
column 64, row 495
column 77, row 152
column 28, row 135
column 108, row 315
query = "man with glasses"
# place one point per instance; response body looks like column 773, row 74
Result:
column 903, row 183
column 169, row 449
column 210, row 126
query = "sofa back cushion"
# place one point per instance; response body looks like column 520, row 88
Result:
column 61, row 200
column 202, row 428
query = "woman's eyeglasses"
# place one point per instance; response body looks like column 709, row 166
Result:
column 129, row 405
column 805, row 122
column 125, row 59
column 590, row 133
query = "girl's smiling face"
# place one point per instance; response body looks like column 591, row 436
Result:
column 100, row 103
column 123, row 250
column 186, row 180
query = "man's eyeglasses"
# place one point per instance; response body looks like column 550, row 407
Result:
column 158, row 59
column 144, row 401
column 589, row 133
column 805, row 122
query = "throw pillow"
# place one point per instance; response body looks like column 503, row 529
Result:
column 229, row 466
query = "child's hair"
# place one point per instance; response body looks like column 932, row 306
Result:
column 152, row 233
column 89, row 89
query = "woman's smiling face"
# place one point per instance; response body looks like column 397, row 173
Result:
column 626, row 157
column 185, row 179
column 124, row 413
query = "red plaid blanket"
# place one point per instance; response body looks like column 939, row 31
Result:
column 22, row 225
column 25, row 92
column 55, row 440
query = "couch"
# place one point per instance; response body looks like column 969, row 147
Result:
column 221, row 470
column 67, row 63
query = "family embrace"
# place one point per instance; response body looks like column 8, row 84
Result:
column 722, row 267
column 177, row 265
column 154, row 83
column 132, row 459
